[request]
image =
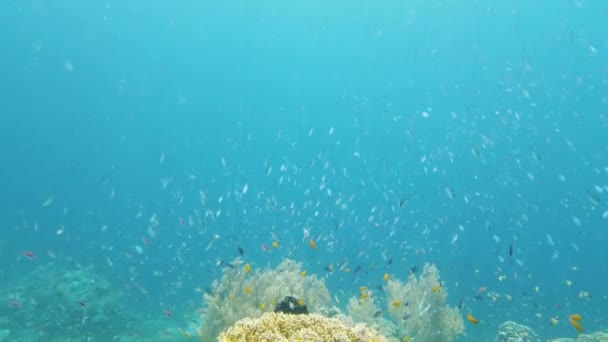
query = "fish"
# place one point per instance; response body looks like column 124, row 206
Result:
column 449, row 192
column 275, row 245
column 574, row 321
column 472, row 319
column 553, row 321
column 29, row 255
column 414, row 269
column 511, row 249
column 460, row 303
column 167, row 313
column 593, row 198
column 357, row 270
column 312, row 244
column 247, row 268
column 47, row 202
column 390, row 261
column 14, row 304
column 241, row 251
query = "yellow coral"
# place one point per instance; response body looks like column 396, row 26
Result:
column 279, row 327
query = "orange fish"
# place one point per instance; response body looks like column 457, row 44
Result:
column 574, row 320
column 312, row 244
column 472, row 319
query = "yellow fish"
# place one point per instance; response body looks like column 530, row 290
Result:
column 472, row 319
column 576, row 325
column 436, row 288
column 303, row 273
column 386, row 277
column 312, row 244
column 248, row 290
column 574, row 320
column 275, row 245
column 247, row 268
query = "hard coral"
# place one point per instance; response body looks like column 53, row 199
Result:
column 279, row 327
column 513, row 332
column 240, row 294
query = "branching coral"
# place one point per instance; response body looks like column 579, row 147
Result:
column 240, row 294
column 416, row 308
column 278, row 327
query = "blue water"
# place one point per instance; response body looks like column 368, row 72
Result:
column 503, row 103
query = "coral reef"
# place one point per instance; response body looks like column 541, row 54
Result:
column 366, row 311
column 244, row 294
column 513, row 332
column 277, row 327
column 595, row 337
column 57, row 302
column 416, row 309
column 599, row 336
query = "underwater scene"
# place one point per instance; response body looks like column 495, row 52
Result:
column 400, row 170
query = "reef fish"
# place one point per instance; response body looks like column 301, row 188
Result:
column 472, row 319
